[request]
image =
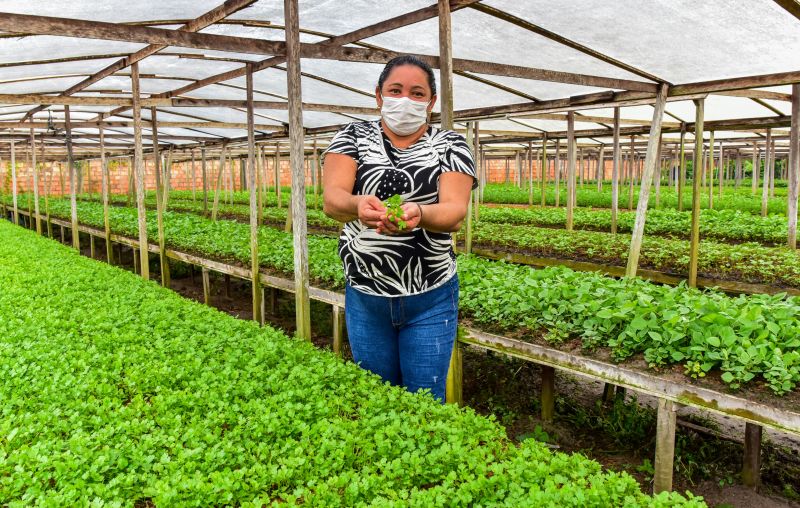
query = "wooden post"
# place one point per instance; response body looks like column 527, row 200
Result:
column 139, row 162
column 206, row 286
column 530, row 173
column 739, row 169
column 193, row 177
column 601, row 167
column 278, row 172
column 697, row 170
column 35, row 183
column 665, row 446
column 756, row 169
column 14, row 198
column 631, row 173
column 767, row 167
column 302, row 303
column 548, row 397
column 722, row 169
column 339, row 329
column 135, row 259
column 710, row 171
column 204, row 171
column 615, row 173
column 252, row 186
column 91, row 245
column 73, row 202
column 48, row 182
column 163, row 262
column 751, row 466
column 657, row 175
column 167, row 180
column 557, row 171
column 650, row 163
column 543, row 171
column 105, row 183
column 468, row 226
column 218, row 182
column 476, row 194
column 571, row 156
column 794, row 167
column 682, row 170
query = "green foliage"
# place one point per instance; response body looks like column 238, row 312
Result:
column 119, row 392
column 746, row 338
column 746, row 262
column 394, row 212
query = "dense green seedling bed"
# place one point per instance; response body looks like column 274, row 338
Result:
column 746, row 338
column 732, row 199
column 508, row 298
column 725, row 225
column 746, row 262
column 118, row 392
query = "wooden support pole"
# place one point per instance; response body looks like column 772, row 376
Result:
column 697, row 170
column 601, row 168
column 252, row 186
column 631, row 173
column 204, row 171
column 339, row 330
column 543, row 172
column 193, row 176
column 206, row 286
column 468, row 226
column 135, row 259
column 657, row 175
column 751, row 465
column 35, row 171
column 454, row 392
column 794, row 167
column 91, row 245
column 476, row 194
column 548, row 395
column 756, row 169
column 302, row 302
column 665, row 446
column 163, row 261
column 571, row 156
column 138, row 156
column 650, row 163
column 14, row 191
column 47, row 186
column 530, row 173
column 710, row 171
column 767, row 176
column 106, row 190
column 682, row 170
column 73, row 202
column 557, row 171
column 615, row 173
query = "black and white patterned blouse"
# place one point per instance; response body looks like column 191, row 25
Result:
column 419, row 260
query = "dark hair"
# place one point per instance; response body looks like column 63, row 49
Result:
column 408, row 60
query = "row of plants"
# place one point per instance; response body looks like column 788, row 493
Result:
column 118, row 392
column 745, row 262
column 739, row 199
column 668, row 325
column 725, row 225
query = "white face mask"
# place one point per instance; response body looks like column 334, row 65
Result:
column 403, row 115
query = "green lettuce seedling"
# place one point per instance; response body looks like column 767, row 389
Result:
column 394, row 211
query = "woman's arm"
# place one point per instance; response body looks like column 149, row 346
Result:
column 445, row 216
column 340, row 204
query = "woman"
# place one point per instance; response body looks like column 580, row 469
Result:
column 402, row 289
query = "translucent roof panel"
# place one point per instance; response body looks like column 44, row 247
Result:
column 677, row 40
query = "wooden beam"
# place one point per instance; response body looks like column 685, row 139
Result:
column 652, row 160
column 214, row 15
column 791, row 6
column 138, row 157
column 446, row 65
column 298, row 204
column 794, row 167
column 46, row 25
column 723, row 85
column 571, row 154
column 253, row 187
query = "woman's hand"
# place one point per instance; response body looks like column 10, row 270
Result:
column 412, row 215
column 371, row 211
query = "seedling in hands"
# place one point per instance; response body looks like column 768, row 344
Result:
column 394, row 212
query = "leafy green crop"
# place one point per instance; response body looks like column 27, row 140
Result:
column 667, row 325
column 118, row 392
column 394, row 212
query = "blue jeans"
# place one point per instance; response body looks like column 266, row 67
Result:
column 406, row 340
